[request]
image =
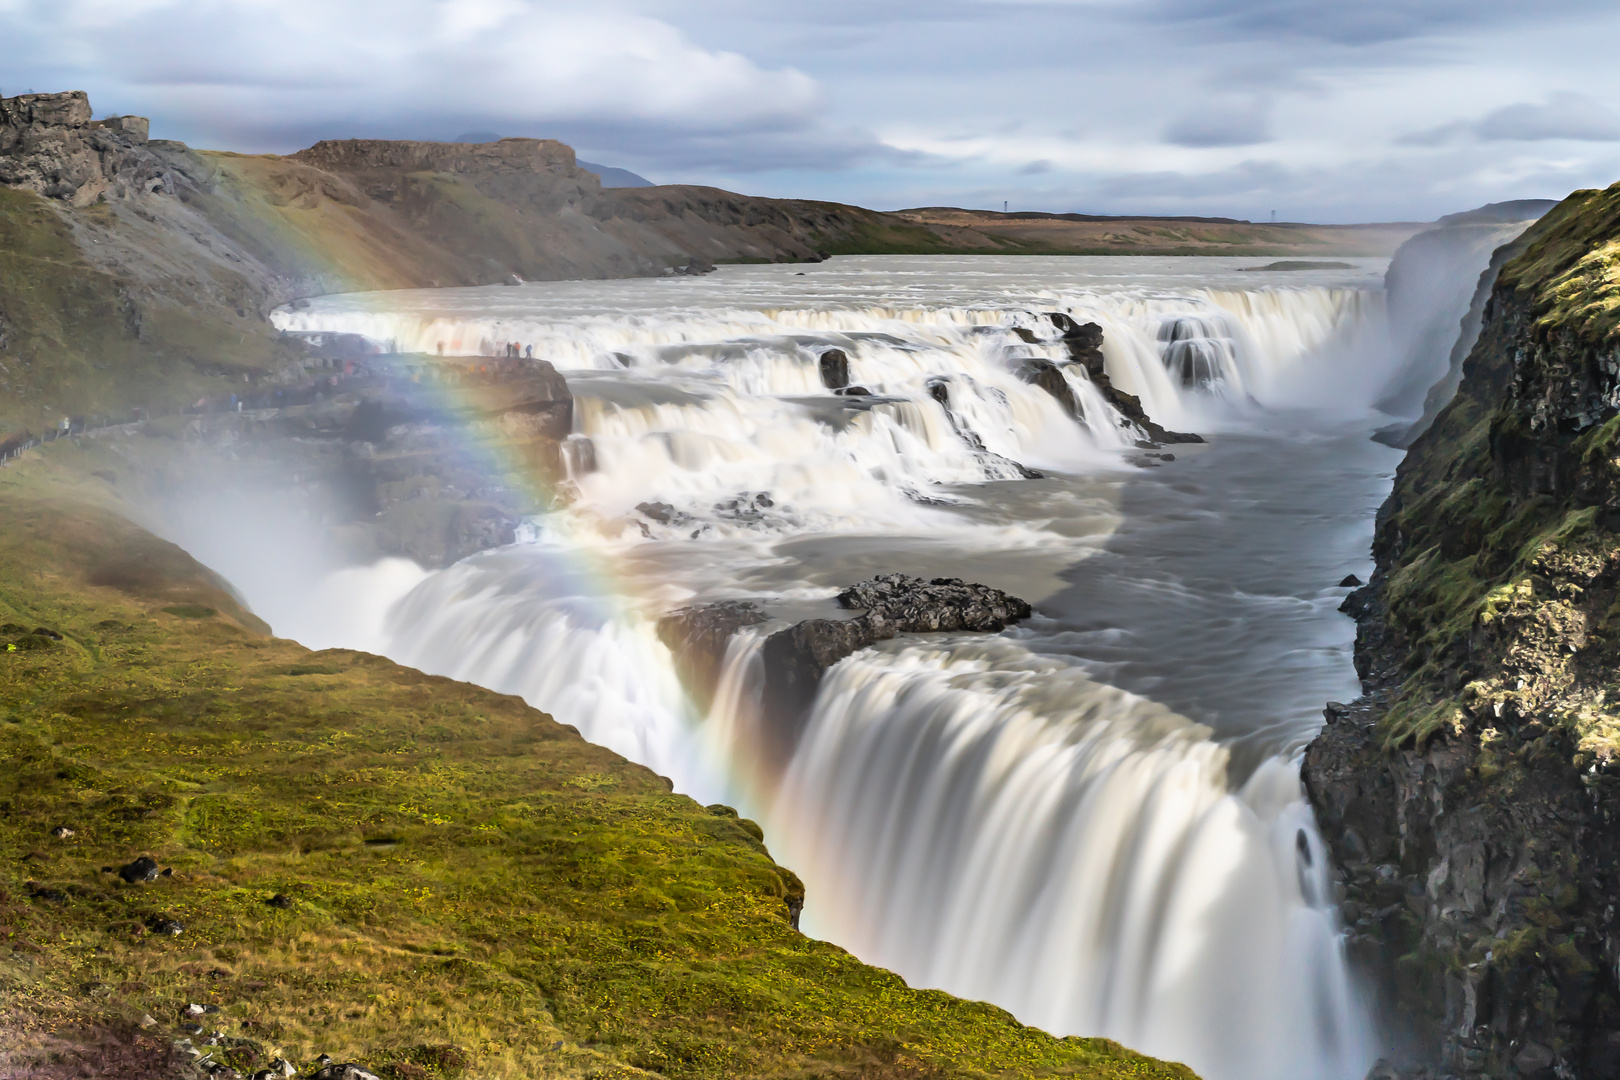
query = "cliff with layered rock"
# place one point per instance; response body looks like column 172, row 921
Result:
column 1469, row 797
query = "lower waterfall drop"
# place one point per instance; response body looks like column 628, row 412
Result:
column 996, row 824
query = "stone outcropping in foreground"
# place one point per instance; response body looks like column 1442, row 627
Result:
column 1471, row 798
column 796, row 658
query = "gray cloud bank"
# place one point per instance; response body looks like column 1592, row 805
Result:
column 1322, row 111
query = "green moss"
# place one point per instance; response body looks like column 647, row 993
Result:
column 458, row 870
column 1569, row 267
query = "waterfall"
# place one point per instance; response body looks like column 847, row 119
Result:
column 995, row 823
column 989, row 816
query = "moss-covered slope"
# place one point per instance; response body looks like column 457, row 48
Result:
column 1470, row 796
column 391, row 868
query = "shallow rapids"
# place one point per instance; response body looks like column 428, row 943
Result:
column 1093, row 819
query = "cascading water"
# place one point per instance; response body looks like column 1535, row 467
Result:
column 1095, row 819
column 1004, row 826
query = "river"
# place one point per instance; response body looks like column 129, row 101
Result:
column 1093, row 819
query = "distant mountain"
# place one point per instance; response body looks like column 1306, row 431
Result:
column 612, row 177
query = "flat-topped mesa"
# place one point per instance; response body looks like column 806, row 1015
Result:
column 50, row 145
column 505, row 155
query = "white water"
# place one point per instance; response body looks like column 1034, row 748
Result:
column 1094, row 820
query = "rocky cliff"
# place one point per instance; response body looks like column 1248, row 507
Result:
column 1469, row 796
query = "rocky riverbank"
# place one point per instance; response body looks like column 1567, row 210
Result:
column 1469, row 797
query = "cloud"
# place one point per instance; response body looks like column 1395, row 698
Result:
column 1365, row 22
column 1218, row 123
column 1443, row 135
column 1562, row 116
column 905, row 102
column 246, row 67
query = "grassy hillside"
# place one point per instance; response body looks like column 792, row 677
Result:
column 391, row 868
column 81, row 338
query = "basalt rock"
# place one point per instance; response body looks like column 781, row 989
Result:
column 50, row 145
column 834, row 365
column 911, row 606
column 939, row 388
column 1084, row 344
column 142, row 870
column 345, row 1071
column 698, row 637
column 1469, row 798
column 1049, row 377
column 794, row 659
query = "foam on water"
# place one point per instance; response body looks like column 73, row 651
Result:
column 992, row 816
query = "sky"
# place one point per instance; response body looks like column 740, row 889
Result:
column 1317, row 110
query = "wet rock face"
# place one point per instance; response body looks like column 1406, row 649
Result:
column 1049, row 377
column 795, row 658
column 1084, row 344
column 698, row 637
column 834, row 365
column 1471, row 797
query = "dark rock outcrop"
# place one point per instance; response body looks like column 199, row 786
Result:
column 795, row 658
column 1469, row 797
column 698, row 637
column 1084, row 344
column 1049, row 377
column 142, row 870
column 939, row 389
column 834, row 365
column 50, row 145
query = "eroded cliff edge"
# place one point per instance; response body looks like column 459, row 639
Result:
column 1469, row 796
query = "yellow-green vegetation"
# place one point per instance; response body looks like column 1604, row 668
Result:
column 1501, row 554
column 461, row 886
column 1573, row 270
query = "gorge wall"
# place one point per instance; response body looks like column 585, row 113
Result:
column 1469, row 796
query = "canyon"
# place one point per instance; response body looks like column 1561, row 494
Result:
column 654, row 529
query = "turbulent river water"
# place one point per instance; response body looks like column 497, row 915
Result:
column 1093, row 819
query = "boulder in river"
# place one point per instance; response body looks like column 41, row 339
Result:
column 835, row 369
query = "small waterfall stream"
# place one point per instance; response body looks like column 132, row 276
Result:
column 1095, row 819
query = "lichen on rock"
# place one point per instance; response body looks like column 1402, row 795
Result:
column 1469, row 796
